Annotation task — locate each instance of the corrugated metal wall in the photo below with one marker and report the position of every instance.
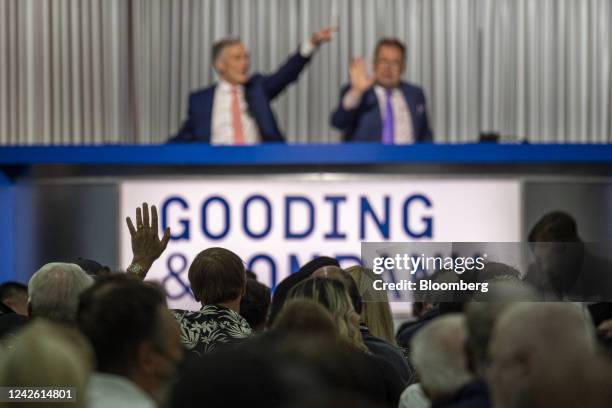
(120, 71)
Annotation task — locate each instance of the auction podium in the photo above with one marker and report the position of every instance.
(278, 205)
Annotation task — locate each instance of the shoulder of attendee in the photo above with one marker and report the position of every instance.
(107, 390)
(203, 92)
(388, 374)
(412, 88)
(377, 342)
(255, 79)
(209, 311)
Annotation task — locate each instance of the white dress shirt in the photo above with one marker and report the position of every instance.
(222, 127)
(113, 391)
(402, 119)
(414, 397)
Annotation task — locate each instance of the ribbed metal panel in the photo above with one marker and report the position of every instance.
(120, 71)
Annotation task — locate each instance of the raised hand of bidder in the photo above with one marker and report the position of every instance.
(323, 36)
(146, 245)
(361, 80)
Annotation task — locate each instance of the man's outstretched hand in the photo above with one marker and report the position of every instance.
(361, 80)
(146, 245)
(323, 36)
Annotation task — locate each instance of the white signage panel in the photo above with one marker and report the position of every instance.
(276, 224)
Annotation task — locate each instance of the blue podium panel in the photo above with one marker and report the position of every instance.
(280, 154)
(60, 202)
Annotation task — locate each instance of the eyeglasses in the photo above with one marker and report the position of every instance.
(389, 63)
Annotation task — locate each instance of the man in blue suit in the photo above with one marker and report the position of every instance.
(237, 111)
(381, 107)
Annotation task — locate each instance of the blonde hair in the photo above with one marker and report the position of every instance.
(305, 316)
(332, 294)
(375, 311)
(46, 354)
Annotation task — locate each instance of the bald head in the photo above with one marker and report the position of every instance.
(438, 354)
(536, 340)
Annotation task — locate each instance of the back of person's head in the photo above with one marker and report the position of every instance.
(217, 275)
(502, 290)
(332, 294)
(497, 271)
(335, 272)
(54, 291)
(229, 379)
(583, 384)
(480, 318)
(305, 271)
(46, 354)
(546, 328)
(535, 340)
(255, 304)
(598, 393)
(254, 373)
(376, 312)
(125, 319)
(305, 317)
(338, 368)
(438, 354)
(555, 226)
(14, 295)
(92, 268)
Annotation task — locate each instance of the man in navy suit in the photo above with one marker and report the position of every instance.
(237, 111)
(381, 107)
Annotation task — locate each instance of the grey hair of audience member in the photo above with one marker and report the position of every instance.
(438, 354)
(483, 312)
(46, 354)
(536, 347)
(54, 291)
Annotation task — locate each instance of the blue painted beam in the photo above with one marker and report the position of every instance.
(7, 228)
(280, 154)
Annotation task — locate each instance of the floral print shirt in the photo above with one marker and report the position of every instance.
(202, 331)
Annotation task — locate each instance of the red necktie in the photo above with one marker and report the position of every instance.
(237, 118)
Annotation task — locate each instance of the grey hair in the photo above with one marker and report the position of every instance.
(437, 352)
(220, 45)
(54, 291)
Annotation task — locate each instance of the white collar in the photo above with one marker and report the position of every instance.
(226, 87)
(120, 388)
(382, 90)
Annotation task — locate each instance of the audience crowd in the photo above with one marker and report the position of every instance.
(320, 340)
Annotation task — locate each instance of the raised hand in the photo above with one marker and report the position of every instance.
(361, 81)
(146, 245)
(323, 36)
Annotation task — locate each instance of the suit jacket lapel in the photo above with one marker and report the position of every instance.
(209, 100)
(370, 103)
(412, 104)
(260, 109)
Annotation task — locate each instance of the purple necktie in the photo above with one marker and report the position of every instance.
(388, 125)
